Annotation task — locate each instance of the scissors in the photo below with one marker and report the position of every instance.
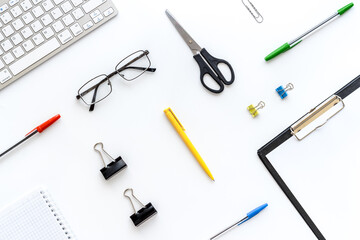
(207, 63)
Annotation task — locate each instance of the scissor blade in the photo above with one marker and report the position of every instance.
(194, 47)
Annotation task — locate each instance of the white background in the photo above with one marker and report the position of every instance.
(322, 170)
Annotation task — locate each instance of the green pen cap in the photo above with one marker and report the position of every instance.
(278, 51)
(341, 11)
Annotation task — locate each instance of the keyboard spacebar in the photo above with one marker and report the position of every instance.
(34, 56)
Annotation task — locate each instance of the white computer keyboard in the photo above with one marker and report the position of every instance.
(33, 31)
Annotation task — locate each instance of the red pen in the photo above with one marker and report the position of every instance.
(38, 129)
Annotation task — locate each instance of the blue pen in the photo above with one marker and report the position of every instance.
(250, 215)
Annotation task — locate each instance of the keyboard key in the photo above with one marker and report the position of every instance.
(4, 76)
(78, 13)
(88, 25)
(1, 52)
(8, 58)
(28, 18)
(66, 7)
(68, 19)
(28, 45)
(76, 2)
(1, 37)
(26, 32)
(56, 13)
(92, 4)
(98, 18)
(6, 18)
(48, 33)
(16, 11)
(34, 56)
(36, 1)
(2, 65)
(37, 26)
(108, 12)
(38, 11)
(94, 14)
(57, 2)
(48, 5)
(13, 2)
(58, 26)
(3, 8)
(6, 45)
(76, 29)
(65, 36)
(46, 19)
(8, 30)
(17, 24)
(38, 39)
(18, 52)
(26, 5)
(16, 39)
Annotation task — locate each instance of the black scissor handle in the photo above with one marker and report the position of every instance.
(214, 62)
(205, 69)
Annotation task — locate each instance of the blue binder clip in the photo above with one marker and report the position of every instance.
(283, 91)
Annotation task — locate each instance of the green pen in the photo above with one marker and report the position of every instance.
(298, 40)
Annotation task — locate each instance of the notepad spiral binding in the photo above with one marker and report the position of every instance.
(56, 212)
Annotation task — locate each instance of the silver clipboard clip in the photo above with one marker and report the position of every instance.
(317, 117)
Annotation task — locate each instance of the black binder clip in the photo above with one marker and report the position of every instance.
(112, 168)
(144, 213)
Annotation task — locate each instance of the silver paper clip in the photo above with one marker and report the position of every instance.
(254, 12)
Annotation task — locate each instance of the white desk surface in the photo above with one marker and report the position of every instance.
(131, 123)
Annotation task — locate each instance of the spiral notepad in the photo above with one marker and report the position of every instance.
(34, 217)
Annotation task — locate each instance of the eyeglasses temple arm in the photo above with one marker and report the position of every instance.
(92, 106)
(145, 53)
(139, 68)
(136, 68)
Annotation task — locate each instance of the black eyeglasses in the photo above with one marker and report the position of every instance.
(98, 88)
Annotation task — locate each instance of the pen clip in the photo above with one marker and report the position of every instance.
(177, 120)
(31, 132)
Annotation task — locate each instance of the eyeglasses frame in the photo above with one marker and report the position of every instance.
(108, 76)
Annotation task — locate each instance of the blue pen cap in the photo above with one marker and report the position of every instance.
(254, 212)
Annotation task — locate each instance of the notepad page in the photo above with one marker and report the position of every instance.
(34, 217)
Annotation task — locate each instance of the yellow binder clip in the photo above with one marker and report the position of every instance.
(254, 110)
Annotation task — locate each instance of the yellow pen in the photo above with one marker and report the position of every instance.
(181, 131)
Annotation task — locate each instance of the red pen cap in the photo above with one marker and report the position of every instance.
(46, 124)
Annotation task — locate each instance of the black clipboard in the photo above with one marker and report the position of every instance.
(294, 130)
